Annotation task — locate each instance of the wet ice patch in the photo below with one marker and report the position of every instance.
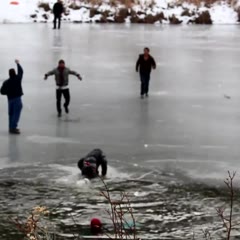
(73, 175)
(195, 169)
(165, 146)
(162, 93)
(197, 106)
(71, 119)
(160, 121)
(49, 140)
(141, 194)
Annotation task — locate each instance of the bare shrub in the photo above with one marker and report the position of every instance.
(120, 210)
(74, 6)
(34, 227)
(174, 20)
(203, 18)
(227, 220)
(45, 6)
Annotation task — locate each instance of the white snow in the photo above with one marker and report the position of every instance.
(221, 13)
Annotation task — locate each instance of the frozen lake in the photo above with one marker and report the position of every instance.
(187, 131)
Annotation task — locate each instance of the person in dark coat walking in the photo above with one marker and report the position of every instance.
(12, 88)
(91, 162)
(57, 12)
(62, 79)
(146, 63)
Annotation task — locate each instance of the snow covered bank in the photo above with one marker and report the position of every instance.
(160, 11)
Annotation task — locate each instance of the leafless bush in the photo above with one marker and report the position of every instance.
(45, 6)
(120, 210)
(201, 2)
(227, 220)
(34, 227)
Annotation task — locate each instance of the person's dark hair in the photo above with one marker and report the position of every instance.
(147, 49)
(61, 61)
(80, 163)
(12, 73)
(89, 172)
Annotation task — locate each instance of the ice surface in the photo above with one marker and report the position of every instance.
(105, 109)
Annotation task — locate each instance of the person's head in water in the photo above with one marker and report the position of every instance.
(96, 226)
(12, 73)
(89, 172)
(146, 51)
(61, 64)
(89, 169)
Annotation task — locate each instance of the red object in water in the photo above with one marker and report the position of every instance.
(96, 225)
(14, 3)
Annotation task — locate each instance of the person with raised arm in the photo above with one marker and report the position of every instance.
(12, 88)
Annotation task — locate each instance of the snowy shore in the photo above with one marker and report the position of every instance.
(158, 12)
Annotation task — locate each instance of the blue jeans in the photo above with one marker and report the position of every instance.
(14, 111)
(145, 78)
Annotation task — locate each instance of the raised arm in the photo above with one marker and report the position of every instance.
(19, 70)
(75, 74)
(138, 63)
(52, 72)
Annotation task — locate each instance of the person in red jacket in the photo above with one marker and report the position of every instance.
(145, 64)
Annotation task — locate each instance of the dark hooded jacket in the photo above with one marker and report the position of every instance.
(58, 9)
(95, 157)
(145, 65)
(13, 86)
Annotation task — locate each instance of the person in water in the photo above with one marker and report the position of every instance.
(90, 164)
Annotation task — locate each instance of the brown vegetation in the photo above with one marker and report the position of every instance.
(186, 13)
(74, 6)
(200, 2)
(93, 12)
(174, 20)
(238, 12)
(203, 18)
(45, 6)
(45, 16)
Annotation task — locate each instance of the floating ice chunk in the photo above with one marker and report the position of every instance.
(150, 211)
(140, 194)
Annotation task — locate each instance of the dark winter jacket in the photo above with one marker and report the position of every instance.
(13, 86)
(58, 9)
(96, 157)
(145, 65)
(66, 73)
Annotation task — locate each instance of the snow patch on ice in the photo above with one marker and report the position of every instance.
(50, 140)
